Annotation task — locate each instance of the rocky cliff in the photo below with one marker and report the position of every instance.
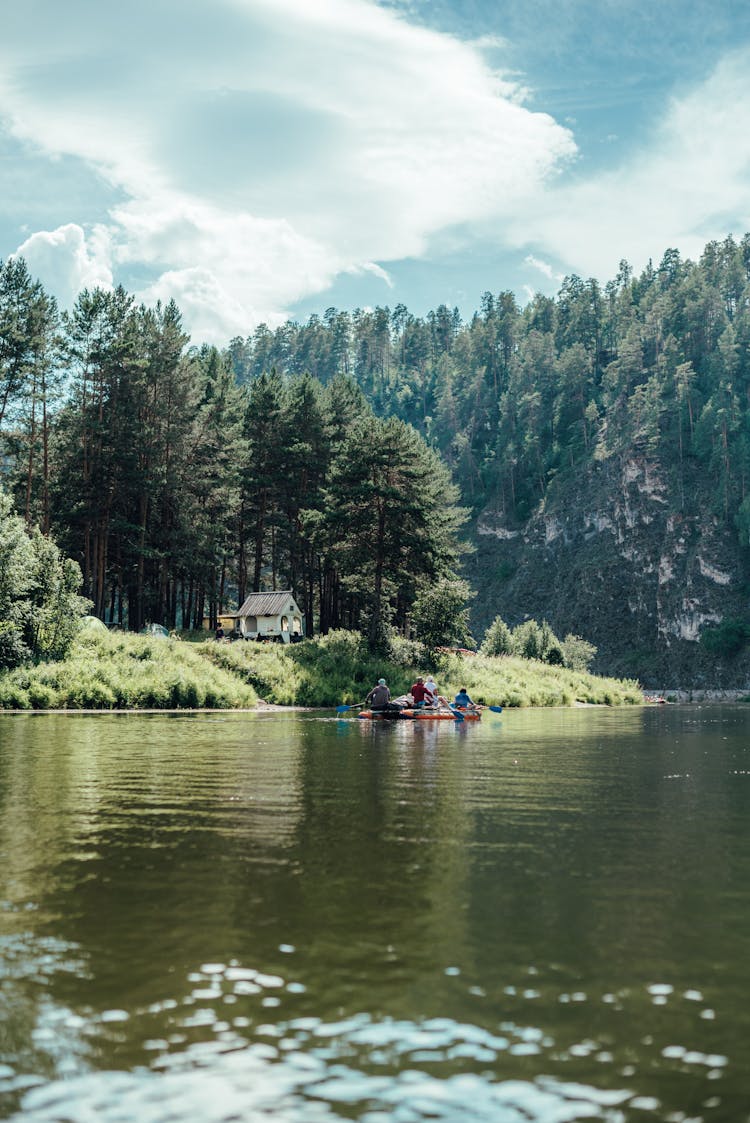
(626, 556)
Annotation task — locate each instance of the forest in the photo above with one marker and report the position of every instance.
(658, 363)
(346, 456)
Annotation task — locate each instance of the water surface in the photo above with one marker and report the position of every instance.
(542, 917)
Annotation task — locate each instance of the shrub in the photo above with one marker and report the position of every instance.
(13, 696)
(103, 671)
(578, 653)
(13, 650)
(498, 639)
(527, 640)
(727, 638)
(40, 608)
(441, 615)
(42, 697)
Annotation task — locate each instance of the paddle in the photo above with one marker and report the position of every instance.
(444, 705)
(343, 709)
(496, 709)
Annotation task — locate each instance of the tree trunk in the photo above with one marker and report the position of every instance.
(259, 534)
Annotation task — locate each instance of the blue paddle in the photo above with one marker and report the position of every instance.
(343, 709)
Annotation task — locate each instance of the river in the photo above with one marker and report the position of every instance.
(541, 917)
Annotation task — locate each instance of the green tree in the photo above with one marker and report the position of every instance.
(578, 654)
(55, 608)
(261, 474)
(441, 616)
(498, 639)
(549, 645)
(304, 441)
(40, 608)
(97, 439)
(527, 640)
(728, 637)
(215, 465)
(389, 521)
(26, 314)
(16, 563)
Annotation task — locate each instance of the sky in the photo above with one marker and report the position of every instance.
(260, 160)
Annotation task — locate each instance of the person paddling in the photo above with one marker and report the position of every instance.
(379, 696)
(462, 701)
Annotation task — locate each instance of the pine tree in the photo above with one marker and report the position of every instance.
(389, 520)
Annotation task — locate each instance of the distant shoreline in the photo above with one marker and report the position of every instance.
(697, 695)
(265, 707)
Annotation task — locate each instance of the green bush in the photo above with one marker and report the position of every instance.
(527, 640)
(578, 653)
(441, 616)
(727, 638)
(12, 695)
(498, 639)
(42, 697)
(106, 671)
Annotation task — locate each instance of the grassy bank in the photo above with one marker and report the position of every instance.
(337, 668)
(122, 671)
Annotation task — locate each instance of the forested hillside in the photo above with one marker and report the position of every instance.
(600, 442)
(601, 438)
(179, 491)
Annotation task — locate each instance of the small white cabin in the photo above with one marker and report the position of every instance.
(274, 616)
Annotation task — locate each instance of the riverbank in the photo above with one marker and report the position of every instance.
(679, 695)
(120, 671)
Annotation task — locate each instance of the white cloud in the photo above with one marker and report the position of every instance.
(688, 183)
(67, 261)
(543, 267)
(491, 42)
(266, 146)
(372, 268)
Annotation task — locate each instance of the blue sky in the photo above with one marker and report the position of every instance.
(260, 159)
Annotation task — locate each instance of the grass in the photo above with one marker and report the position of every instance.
(338, 669)
(123, 671)
(508, 680)
(106, 671)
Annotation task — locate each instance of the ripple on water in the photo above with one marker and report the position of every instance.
(254, 1084)
(374, 1069)
(231, 1048)
(241, 1068)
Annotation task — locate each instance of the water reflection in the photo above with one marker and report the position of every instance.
(232, 917)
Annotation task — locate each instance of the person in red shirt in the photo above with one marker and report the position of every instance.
(420, 693)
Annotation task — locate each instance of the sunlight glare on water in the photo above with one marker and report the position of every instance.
(542, 917)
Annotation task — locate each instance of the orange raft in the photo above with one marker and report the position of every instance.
(419, 715)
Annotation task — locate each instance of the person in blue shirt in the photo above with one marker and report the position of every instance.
(462, 701)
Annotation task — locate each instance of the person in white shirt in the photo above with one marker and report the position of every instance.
(431, 686)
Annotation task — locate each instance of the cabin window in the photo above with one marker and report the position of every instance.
(285, 623)
(252, 624)
(297, 626)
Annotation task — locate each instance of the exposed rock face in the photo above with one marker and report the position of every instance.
(625, 558)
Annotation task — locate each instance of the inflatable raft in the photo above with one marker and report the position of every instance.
(419, 715)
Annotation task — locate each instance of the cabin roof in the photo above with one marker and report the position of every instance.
(267, 604)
